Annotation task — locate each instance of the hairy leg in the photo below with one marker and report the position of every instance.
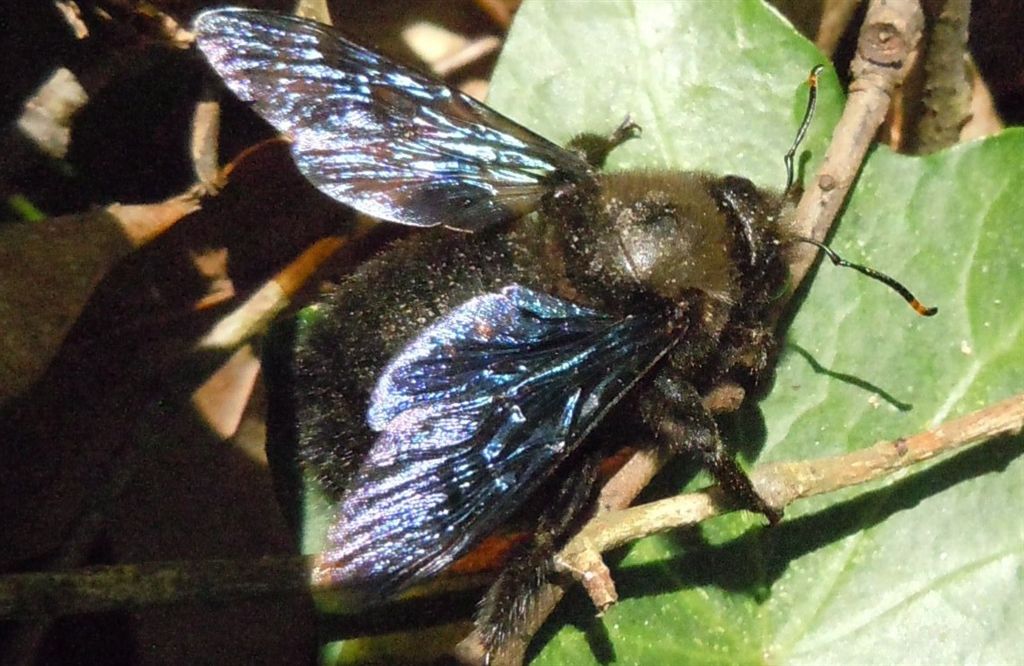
(680, 422)
(510, 597)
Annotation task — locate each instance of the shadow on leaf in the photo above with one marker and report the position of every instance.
(850, 379)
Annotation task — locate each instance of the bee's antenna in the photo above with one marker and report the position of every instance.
(875, 275)
(812, 101)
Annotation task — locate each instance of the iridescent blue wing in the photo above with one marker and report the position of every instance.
(378, 136)
(474, 414)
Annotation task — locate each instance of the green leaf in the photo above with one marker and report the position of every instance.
(925, 567)
(715, 86)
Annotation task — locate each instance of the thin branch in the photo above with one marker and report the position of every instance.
(890, 33)
(257, 312)
(120, 587)
(783, 483)
(946, 97)
(473, 51)
(835, 19)
(204, 142)
(135, 586)
(72, 15)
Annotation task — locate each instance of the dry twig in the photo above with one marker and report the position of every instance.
(783, 483)
(890, 33)
(835, 19)
(946, 97)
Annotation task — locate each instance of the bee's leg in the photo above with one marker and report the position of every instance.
(749, 351)
(595, 148)
(680, 422)
(509, 599)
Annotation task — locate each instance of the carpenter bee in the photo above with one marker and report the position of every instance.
(458, 381)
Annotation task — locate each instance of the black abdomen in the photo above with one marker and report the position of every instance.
(343, 342)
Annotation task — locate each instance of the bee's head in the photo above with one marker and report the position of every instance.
(757, 220)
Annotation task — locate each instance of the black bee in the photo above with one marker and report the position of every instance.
(459, 380)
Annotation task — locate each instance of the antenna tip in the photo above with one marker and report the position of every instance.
(920, 309)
